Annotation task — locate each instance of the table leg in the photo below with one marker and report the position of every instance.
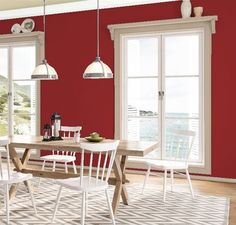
(15, 159)
(124, 193)
(120, 190)
(19, 165)
(25, 158)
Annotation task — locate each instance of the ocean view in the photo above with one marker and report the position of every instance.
(146, 129)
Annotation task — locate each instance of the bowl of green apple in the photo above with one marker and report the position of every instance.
(94, 137)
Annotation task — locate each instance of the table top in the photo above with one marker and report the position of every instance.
(128, 148)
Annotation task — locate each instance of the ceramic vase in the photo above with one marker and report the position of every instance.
(198, 11)
(186, 8)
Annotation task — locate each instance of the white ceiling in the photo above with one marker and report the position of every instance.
(19, 4)
(11, 9)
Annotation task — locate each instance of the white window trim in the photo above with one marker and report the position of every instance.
(118, 31)
(38, 40)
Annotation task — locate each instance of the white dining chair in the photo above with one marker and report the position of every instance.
(177, 151)
(8, 177)
(63, 156)
(100, 157)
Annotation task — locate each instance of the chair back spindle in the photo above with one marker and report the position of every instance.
(68, 131)
(179, 145)
(101, 158)
(5, 174)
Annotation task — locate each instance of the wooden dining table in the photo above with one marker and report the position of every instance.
(29, 143)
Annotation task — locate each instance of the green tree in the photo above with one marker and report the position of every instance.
(3, 102)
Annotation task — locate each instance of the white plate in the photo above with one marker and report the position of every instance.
(16, 28)
(27, 25)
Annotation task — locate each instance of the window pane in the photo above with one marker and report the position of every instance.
(3, 95)
(181, 54)
(182, 97)
(143, 97)
(23, 62)
(182, 124)
(3, 63)
(24, 97)
(143, 129)
(156, 154)
(142, 56)
(3, 125)
(3, 80)
(24, 124)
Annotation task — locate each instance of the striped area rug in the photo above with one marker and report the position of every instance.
(146, 209)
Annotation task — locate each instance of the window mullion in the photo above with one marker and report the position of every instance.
(10, 93)
(162, 99)
(201, 98)
(124, 132)
(140, 77)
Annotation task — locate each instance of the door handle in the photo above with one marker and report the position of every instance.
(161, 94)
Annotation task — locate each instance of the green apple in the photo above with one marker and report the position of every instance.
(94, 135)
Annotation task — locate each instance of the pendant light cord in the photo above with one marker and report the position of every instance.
(98, 33)
(44, 27)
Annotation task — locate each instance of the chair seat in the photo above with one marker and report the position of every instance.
(15, 177)
(167, 164)
(59, 158)
(74, 184)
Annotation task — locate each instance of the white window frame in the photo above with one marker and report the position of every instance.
(119, 31)
(25, 39)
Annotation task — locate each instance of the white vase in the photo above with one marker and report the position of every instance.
(198, 11)
(186, 8)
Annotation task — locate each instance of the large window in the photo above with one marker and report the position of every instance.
(163, 86)
(163, 83)
(19, 95)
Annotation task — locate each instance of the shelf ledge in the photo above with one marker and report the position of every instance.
(207, 19)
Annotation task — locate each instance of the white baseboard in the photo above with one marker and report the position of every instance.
(131, 171)
(194, 177)
(215, 179)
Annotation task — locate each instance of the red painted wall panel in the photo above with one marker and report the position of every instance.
(71, 46)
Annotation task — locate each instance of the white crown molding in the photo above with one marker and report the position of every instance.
(73, 7)
(22, 37)
(210, 19)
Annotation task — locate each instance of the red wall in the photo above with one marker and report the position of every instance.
(71, 46)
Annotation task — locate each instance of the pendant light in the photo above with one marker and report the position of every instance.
(44, 71)
(97, 69)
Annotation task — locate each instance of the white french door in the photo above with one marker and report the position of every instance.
(142, 83)
(162, 80)
(182, 85)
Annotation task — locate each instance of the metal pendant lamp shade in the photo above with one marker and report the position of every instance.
(44, 71)
(97, 69)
